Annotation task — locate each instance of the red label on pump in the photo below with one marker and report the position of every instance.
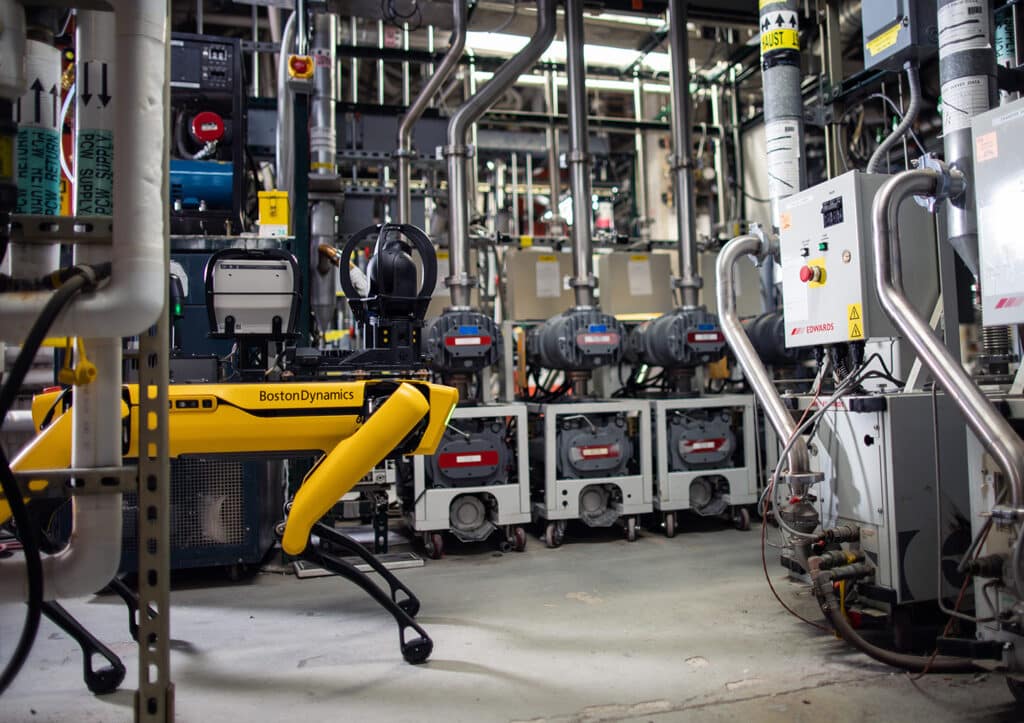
(598, 451)
(598, 339)
(702, 446)
(456, 460)
(704, 337)
(467, 341)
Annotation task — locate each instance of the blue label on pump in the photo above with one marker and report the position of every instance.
(705, 327)
(597, 328)
(469, 329)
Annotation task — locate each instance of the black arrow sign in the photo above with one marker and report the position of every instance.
(792, 20)
(779, 21)
(86, 95)
(56, 96)
(103, 96)
(37, 88)
(765, 25)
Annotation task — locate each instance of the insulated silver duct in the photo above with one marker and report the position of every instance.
(583, 281)
(457, 153)
(783, 101)
(967, 68)
(689, 281)
(450, 62)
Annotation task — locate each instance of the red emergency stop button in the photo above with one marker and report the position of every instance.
(300, 66)
(809, 274)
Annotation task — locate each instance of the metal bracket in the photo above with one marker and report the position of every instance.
(38, 229)
(59, 483)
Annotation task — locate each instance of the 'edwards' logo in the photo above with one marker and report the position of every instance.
(307, 396)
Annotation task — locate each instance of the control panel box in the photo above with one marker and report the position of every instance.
(999, 190)
(897, 31)
(828, 285)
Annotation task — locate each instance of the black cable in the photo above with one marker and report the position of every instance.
(750, 197)
(29, 537)
(27, 532)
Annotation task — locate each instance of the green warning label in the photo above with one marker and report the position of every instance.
(38, 168)
(95, 173)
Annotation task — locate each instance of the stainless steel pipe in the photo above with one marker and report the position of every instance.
(689, 281)
(460, 282)
(991, 428)
(583, 281)
(757, 376)
(449, 63)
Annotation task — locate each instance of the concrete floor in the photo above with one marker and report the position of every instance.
(659, 630)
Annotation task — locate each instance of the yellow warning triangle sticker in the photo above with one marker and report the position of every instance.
(855, 331)
(853, 312)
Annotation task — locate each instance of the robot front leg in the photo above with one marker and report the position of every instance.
(414, 649)
(102, 681)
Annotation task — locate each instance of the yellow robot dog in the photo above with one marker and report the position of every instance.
(353, 425)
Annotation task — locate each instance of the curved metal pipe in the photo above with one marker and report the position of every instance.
(757, 375)
(449, 63)
(992, 430)
(460, 281)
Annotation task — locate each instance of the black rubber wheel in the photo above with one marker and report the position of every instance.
(631, 528)
(553, 535)
(742, 519)
(411, 606)
(417, 650)
(670, 524)
(434, 543)
(105, 680)
(519, 539)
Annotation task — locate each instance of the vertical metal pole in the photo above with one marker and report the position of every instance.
(689, 281)
(380, 63)
(406, 90)
(554, 168)
(301, 28)
(514, 168)
(199, 17)
(640, 165)
(832, 62)
(583, 280)
(430, 48)
(255, 52)
(737, 139)
(721, 175)
(529, 194)
(354, 32)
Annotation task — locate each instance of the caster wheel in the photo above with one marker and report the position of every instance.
(105, 680)
(410, 605)
(553, 535)
(519, 539)
(670, 524)
(742, 519)
(417, 650)
(434, 544)
(631, 529)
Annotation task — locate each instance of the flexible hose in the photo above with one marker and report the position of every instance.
(882, 152)
(910, 663)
